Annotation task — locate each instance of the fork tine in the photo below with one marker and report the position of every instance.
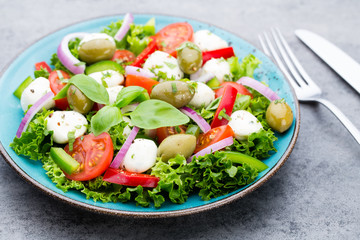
(263, 45)
(285, 56)
(270, 51)
(294, 60)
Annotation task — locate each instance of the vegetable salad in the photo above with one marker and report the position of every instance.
(134, 113)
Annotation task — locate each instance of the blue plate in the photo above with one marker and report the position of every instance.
(11, 115)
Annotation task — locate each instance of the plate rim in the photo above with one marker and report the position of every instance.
(160, 214)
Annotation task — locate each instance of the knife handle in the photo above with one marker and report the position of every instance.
(343, 119)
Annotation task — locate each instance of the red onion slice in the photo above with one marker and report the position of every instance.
(32, 111)
(213, 148)
(204, 78)
(196, 75)
(125, 26)
(125, 147)
(131, 70)
(65, 56)
(258, 86)
(204, 126)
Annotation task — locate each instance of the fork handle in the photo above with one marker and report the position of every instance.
(343, 119)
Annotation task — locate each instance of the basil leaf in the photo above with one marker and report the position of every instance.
(62, 93)
(88, 86)
(129, 94)
(91, 88)
(104, 119)
(154, 113)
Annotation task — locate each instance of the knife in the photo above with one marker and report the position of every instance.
(337, 59)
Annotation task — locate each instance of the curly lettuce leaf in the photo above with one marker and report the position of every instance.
(258, 145)
(245, 68)
(175, 180)
(41, 73)
(215, 175)
(136, 39)
(36, 141)
(116, 134)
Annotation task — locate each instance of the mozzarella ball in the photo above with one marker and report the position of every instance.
(203, 96)
(63, 122)
(243, 123)
(108, 78)
(217, 66)
(163, 62)
(93, 36)
(113, 92)
(208, 41)
(32, 93)
(127, 129)
(141, 156)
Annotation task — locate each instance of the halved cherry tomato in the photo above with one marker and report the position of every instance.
(225, 53)
(226, 104)
(214, 135)
(140, 59)
(123, 57)
(42, 65)
(147, 83)
(126, 178)
(164, 132)
(56, 84)
(94, 155)
(172, 36)
(240, 89)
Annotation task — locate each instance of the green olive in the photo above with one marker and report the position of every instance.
(279, 116)
(78, 101)
(189, 57)
(183, 144)
(96, 50)
(177, 93)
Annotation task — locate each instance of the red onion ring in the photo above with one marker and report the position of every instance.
(65, 56)
(259, 87)
(125, 147)
(125, 26)
(213, 148)
(204, 78)
(32, 111)
(131, 70)
(204, 126)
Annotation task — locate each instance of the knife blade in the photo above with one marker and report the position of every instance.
(337, 59)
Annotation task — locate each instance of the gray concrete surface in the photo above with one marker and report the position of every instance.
(315, 195)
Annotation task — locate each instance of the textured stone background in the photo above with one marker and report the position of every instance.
(315, 195)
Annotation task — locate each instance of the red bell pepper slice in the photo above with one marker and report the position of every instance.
(122, 177)
(42, 65)
(227, 102)
(140, 59)
(225, 53)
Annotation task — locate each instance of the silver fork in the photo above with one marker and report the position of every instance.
(305, 88)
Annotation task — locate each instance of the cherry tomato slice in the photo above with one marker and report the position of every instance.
(214, 135)
(56, 84)
(94, 155)
(164, 132)
(123, 57)
(126, 178)
(147, 83)
(240, 89)
(226, 104)
(140, 59)
(172, 36)
(42, 65)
